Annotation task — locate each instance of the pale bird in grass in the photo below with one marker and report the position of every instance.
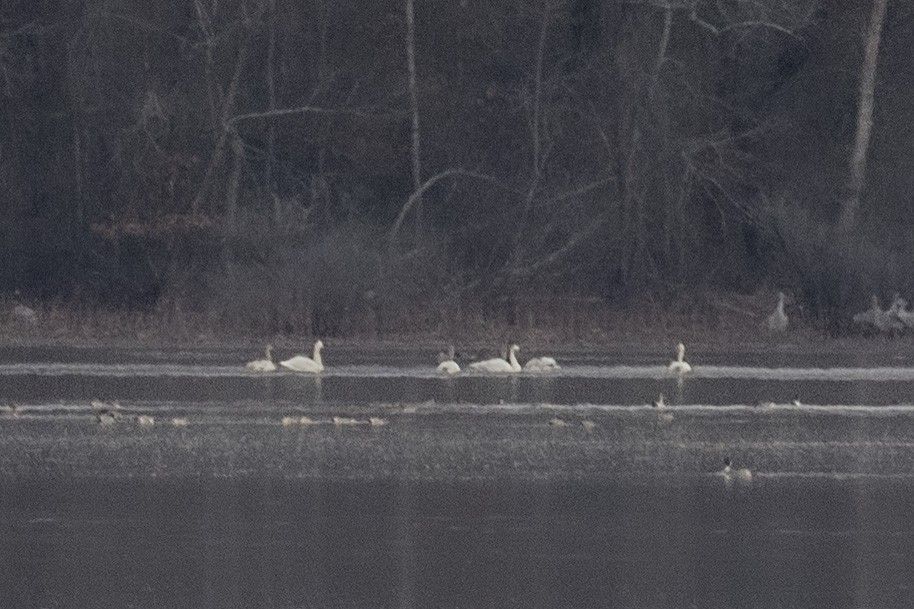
(868, 317)
(901, 312)
(777, 321)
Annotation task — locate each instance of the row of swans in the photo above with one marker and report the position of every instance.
(447, 364)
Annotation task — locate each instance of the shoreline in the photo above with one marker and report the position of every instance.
(647, 328)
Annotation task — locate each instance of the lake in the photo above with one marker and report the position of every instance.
(559, 490)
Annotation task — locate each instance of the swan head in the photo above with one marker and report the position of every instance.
(514, 348)
(680, 350)
(318, 345)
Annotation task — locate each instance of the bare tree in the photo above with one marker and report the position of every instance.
(414, 111)
(851, 203)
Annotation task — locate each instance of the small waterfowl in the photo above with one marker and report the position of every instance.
(300, 363)
(741, 476)
(106, 418)
(144, 420)
(290, 421)
(345, 421)
(541, 364)
(498, 364)
(100, 405)
(263, 365)
(13, 410)
(446, 363)
(777, 321)
(679, 365)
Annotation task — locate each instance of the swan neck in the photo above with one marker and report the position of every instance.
(317, 356)
(512, 359)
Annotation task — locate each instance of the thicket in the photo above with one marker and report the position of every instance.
(272, 163)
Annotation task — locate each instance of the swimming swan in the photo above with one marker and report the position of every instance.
(498, 364)
(679, 365)
(446, 362)
(741, 476)
(263, 365)
(300, 363)
(777, 321)
(541, 364)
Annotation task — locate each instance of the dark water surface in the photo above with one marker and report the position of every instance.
(388, 543)
(558, 491)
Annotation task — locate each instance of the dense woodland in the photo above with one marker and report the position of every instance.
(299, 165)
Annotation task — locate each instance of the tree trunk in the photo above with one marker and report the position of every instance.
(414, 108)
(271, 100)
(851, 202)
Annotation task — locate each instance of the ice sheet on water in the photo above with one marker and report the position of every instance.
(376, 371)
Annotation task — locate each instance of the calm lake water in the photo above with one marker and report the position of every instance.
(560, 491)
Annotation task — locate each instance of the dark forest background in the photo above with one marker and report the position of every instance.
(273, 164)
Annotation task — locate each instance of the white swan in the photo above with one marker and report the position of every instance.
(263, 365)
(679, 365)
(449, 367)
(541, 364)
(741, 476)
(300, 363)
(777, 321)
(498, 364)
(446, 363)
